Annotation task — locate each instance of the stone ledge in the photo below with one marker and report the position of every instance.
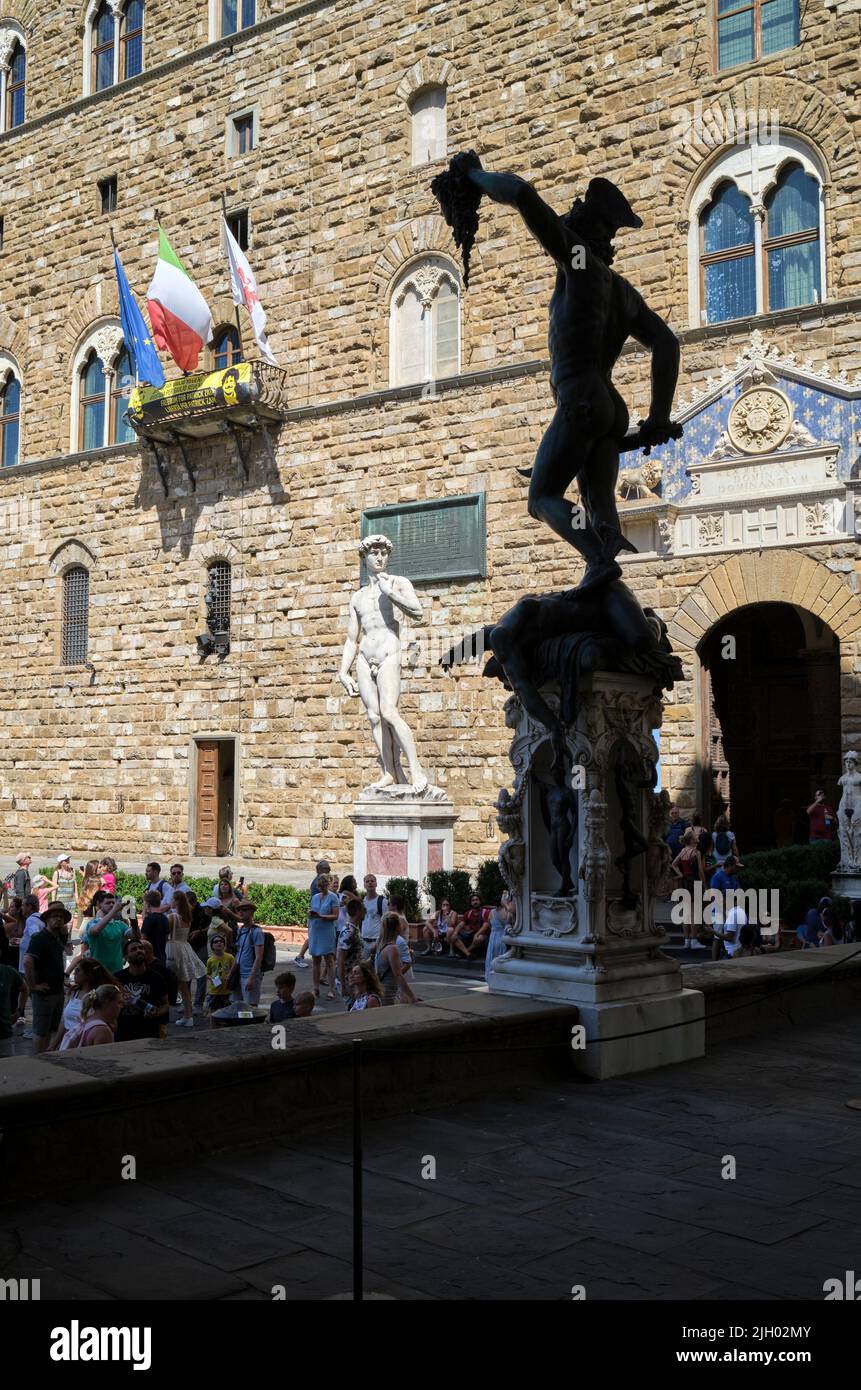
(819, 982)
(156, 1100)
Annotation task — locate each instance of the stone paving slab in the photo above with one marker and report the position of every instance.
(726, 1211)
(609, 1271)
(615, 1186)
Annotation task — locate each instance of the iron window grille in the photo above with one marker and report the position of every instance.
(76, 616)
(218, 599)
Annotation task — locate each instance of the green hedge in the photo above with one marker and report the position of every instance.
(489, 883)
(408, 889)
(278, 905)
(800, 874)
(453, 884)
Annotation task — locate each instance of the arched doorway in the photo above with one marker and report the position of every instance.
(770, 720)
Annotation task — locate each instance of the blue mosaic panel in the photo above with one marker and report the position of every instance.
(829, 417)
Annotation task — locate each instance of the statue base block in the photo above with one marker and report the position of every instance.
(631, 1002)
(596, 830)
(846, 884)
(402, 836)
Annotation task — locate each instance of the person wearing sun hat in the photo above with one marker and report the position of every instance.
(44, 971)
(249, 956)
(64, 885)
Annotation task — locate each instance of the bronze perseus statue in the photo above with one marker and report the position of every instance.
(593, 311)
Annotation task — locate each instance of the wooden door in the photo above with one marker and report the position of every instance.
(206, 832)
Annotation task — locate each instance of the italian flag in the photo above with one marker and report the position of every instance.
(180, 318)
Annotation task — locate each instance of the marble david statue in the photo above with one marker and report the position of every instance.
(373, 642)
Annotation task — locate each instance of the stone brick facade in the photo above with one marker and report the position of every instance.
(555, 91)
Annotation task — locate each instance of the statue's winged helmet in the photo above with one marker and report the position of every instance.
(606, 204)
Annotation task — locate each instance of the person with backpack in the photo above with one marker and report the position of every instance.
(154, 881)
(246, 978)
(376, 907)
(17, 885)
(724, 845)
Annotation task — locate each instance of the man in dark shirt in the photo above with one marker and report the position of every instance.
(675, 830)
(44, 970)
(146, 995)
(155, 927)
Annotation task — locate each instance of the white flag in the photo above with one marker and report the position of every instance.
(244, 290)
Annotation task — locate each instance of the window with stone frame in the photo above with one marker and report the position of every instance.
(236, 15)
(425, 323)
(10, 418)
(428, 125)
(76, 616)
(102, 397)
(746, 30)
(15, 94)
(756, 232)
(226, 348)
(131, 57)
(241, 133)
(102, 44)
(218, 585)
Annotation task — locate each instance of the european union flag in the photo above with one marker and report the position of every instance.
(137, 336)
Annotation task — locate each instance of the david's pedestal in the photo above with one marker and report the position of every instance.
(597, 947)
(397, 834)
(846, 882)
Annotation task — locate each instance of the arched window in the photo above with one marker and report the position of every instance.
(13, 75)
(425, 323)
(122, 382)
(102, 382)
(76, 615)
(755, 239)
(93, 388)
(727, 257)
(16, 85)
(226, 350)
(792, 240)
(428, 125)
(10, 419)
(131, 39)
(237, 14)
(751, 29)
(103, 38)
(218, 598)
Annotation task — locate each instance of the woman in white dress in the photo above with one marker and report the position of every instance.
(182, 959)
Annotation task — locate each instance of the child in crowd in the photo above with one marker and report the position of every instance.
(303, 1004)
(218, 968)
(283, 1007)
(42, 889)
(108, 875)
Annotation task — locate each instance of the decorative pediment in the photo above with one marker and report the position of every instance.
(761, 362)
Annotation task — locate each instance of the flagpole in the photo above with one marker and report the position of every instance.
(133, 354)
(236, 306)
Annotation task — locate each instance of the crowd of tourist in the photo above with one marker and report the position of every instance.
(712, 858)
(94, 969)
